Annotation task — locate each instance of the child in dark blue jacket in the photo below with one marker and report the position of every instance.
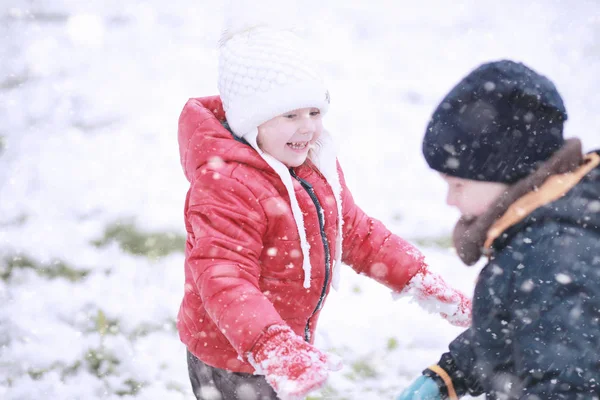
(530, 201)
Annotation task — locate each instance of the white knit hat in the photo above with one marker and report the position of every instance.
(264, 72)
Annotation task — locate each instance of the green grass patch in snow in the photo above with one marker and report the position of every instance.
(443, 241)
(153, 245)
(361, 369)
(392, 344)
(52, 269)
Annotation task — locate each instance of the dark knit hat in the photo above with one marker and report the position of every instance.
(496, 125)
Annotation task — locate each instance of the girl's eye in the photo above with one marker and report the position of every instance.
(313, 113)
(289, 116)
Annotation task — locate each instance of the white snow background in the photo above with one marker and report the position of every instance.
(91, 189)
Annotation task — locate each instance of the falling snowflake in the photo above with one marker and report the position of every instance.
(563, 279)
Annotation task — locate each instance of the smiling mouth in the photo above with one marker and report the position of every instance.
(298, 145)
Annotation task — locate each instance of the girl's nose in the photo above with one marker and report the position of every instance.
(307, 126)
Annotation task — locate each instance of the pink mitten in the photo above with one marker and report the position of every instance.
(434, 295)
(291, 366)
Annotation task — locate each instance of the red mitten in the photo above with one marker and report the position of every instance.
(433, 294)
(291, 366)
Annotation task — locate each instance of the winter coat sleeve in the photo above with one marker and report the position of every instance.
(555, 314)
(371, 249)
(480, 353)
(228, 224)
(450, 378)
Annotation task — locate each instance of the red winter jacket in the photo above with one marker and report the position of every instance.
(243, 260)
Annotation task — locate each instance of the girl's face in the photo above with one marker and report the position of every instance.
(472, 198)
(290, 136)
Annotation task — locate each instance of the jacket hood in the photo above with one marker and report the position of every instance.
(580, 206)
(203, 139)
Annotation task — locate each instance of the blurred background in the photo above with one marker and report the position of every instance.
(92, 192)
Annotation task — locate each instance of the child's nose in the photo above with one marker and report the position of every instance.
(307, 126)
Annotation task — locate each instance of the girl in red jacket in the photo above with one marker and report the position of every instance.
(269, 221)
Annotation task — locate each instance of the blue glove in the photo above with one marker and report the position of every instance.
(423, 388)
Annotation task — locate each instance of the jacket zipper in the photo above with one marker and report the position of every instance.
(320, 214)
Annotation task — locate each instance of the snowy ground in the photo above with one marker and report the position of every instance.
(91, 189)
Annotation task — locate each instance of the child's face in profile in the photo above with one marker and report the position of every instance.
(472, 198)
(290, 136)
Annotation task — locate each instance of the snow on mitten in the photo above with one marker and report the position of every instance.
(433, 294)
(290, 365)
